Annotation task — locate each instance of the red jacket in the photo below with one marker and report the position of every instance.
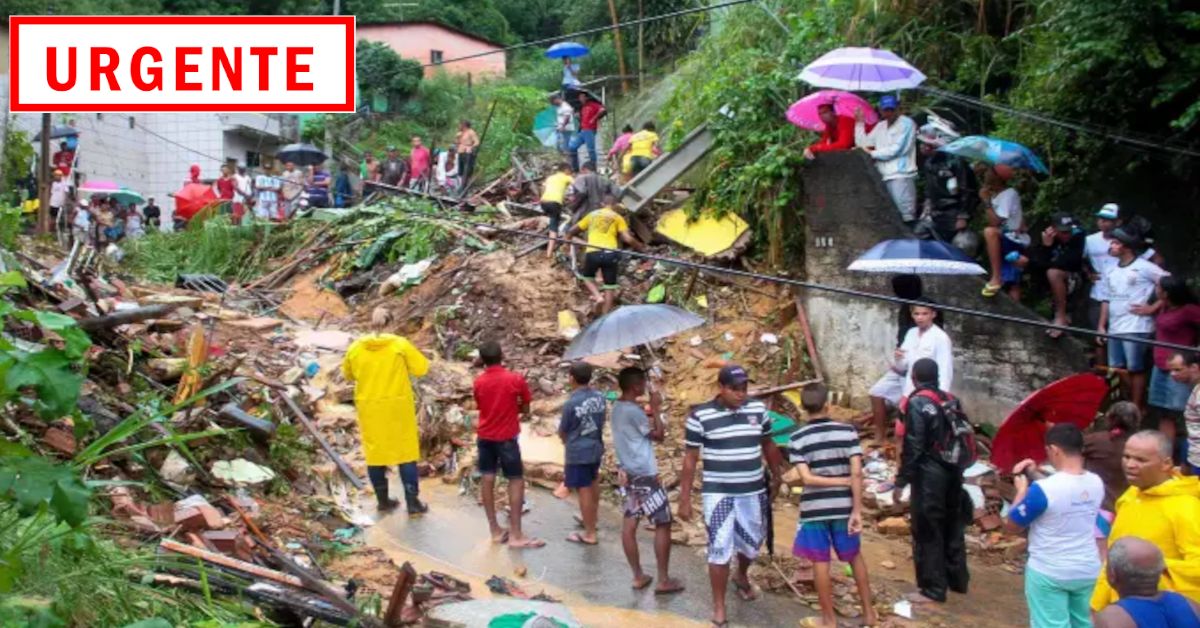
(589, 117)
(836, 138)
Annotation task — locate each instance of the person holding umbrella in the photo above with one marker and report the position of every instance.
(893, 146)
(732, 435)
(570, 78)
(838, 134)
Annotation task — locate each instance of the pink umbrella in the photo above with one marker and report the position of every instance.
(99, 186)
(803, 113)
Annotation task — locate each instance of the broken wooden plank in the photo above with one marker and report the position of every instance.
(404, 584)
(125, 317)
(316, 434)
(764, 392)
(809, 344)
(230, 562)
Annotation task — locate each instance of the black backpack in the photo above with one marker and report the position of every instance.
(956, 445)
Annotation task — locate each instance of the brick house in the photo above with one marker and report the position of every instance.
(431, 42)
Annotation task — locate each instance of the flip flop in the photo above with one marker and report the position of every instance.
(576, 537)
(747, 592)
(990, 290)
(503, 538)
(529, 543)
(643, 584)
(669, 587)
(719, 624)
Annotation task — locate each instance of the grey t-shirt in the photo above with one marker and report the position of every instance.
(631, 438)
(583, 423)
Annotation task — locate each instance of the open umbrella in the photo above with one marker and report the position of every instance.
(629, 326)
(996, 152)
(58, 131)
(301, 154)
(803, 112)
(862, 70)
(1075, 399)
(545, 125)
(191, 198)
(565, 49)
(916, 257)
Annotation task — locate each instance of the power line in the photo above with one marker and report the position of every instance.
(798, 283)
(592, 31)
(1066, 124)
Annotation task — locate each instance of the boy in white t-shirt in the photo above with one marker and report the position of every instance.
(1062, 514)
(1005, 235)
(925, 340)
(1129, 283)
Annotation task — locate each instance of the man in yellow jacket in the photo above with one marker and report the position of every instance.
(1162, 508)
(380, 366)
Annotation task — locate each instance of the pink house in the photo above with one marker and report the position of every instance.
(430, 42)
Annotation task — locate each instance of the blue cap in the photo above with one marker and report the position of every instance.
(888, 101)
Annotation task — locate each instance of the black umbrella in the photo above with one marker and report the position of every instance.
(58, 131)
(629, 326)
(301, 154)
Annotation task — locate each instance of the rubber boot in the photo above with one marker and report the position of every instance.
(415, 505)
(383, 503)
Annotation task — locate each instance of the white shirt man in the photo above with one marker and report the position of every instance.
(926, 340)
(1126, 286)
(893, 145)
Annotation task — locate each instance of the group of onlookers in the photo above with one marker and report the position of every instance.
(424, 170)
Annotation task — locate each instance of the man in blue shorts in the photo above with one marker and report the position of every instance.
(582, 431)
(828, 458)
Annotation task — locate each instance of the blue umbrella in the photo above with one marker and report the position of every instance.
(916, 257)
(996, 152)
(566, 49)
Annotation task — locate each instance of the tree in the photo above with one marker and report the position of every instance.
(382, 72)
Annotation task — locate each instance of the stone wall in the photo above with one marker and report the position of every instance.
(996, 364)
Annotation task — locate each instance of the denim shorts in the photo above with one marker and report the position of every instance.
(580, 475)
(1166, 393)
(1132, 356)
(504, 455)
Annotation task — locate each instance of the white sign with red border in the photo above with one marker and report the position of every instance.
(181, 63)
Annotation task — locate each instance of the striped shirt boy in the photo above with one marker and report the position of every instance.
(730, 443)
(826, 447)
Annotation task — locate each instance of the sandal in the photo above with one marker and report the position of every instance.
(576, 537)
(747, 592)
(668, 587)
(990, 290)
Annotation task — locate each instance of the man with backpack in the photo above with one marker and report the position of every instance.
(938, 445)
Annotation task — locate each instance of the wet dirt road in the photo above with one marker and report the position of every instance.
(592, 581)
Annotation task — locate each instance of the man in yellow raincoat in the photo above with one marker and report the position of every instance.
(1162, 508)
(380, 366)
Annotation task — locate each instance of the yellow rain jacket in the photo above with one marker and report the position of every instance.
(1168, 516)
(380, 365)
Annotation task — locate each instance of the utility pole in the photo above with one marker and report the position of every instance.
(43, 223)
(612, 10)
(641, 46)
(337, 10)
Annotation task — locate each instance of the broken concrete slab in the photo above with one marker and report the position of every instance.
(241, 472)
(328, 339)
(176, 469)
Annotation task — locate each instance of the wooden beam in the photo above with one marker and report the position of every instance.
(230, 562)
(316, 434)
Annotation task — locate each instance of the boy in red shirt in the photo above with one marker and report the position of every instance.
(502, 397)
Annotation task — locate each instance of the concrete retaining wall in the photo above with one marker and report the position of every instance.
(848, 210)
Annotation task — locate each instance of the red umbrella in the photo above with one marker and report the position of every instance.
(191, 198)
(1074, 399)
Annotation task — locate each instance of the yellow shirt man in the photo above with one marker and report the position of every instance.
(603, 227)
(554, 190)
(642, 144)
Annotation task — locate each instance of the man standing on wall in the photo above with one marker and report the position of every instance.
(590, 112)
(893, 146)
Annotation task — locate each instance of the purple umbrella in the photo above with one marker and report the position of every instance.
(862, 69)
(803, 112)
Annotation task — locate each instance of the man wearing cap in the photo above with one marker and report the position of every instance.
(893, 146)
(60, 192)
(732, 435)
(1061, 256)
(1129, 283)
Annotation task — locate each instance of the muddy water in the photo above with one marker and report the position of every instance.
(592, 581)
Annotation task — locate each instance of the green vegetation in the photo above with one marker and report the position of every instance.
(375, 59)
(215, 247)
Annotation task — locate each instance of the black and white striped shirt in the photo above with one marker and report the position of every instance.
(730, 443)
(826, 447)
